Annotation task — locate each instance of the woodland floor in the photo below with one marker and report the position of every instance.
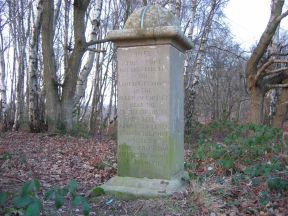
(55, 159)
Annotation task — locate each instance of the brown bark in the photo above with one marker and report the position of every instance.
(281, 109)
(50, 81)
(74, 63)
(257, 103)
(254, 70)
(61, 110)
(83, 75)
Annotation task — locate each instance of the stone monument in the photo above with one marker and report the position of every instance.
(150, 151)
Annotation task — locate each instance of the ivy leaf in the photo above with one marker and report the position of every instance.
(277, 184)
(78, 200)
(86, 208)
(227, 163)
(34, 208)
(3, 197)
(50, 194)
(59, 200)
(30, 187)
(72, 186)
(22, 201)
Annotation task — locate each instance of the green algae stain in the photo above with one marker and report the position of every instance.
(125, 158)
(174, 157)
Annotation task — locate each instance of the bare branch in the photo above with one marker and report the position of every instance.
(90, 43)
(267, 64)
(277, 85)
(228, 51)
(277, 70)
(96, 50)
(284, 15)
(263, 68)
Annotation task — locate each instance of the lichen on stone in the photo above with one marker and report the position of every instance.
(154, 16)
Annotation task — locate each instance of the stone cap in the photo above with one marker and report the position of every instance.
(151, 25)
(151, 36)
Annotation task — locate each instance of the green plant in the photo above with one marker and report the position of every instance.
(260, 169)
(277, 184)
(80, 130)
(3, 197)
(27, 201)
(58, 196)
(264, 198)
(5, 156)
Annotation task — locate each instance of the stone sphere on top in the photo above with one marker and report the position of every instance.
(151, 16)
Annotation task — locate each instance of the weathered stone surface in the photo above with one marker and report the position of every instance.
(150, 110)
(151, 16)
(150, 106)
(151, 36)
(131, 188)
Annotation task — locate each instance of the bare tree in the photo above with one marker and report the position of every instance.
(22, 33)
(33, 83)
(195, 58)
(3, 98)
(260, 75)
(82, 79)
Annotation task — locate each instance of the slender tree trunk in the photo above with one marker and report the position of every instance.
(50, 80)
(21, 43)
(66, 33)
(281, 109)
(19, 92)
(273, 105)
(34, 90)
(3, 98)
(193, 78)
(82, 79)
(175, 7)
(94, 114)
(109, 111)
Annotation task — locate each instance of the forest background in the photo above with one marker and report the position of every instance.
(59, 73)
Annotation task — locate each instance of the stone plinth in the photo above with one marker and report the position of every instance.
(150, 151)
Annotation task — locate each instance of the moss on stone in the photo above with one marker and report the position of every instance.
(125, 157)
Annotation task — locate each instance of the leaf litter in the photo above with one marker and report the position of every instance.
(54, 160)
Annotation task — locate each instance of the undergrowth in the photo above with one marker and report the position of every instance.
(241, 155)
(28, 200)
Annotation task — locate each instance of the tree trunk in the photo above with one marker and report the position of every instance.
(82, 79)
(34, 90)
(95, 99)
(253, 67)
(74, 63)
(281, 109)
(22, 39)
(257, 105)
(3, 99)
(19, 92)
(52, 114)
(193, 78)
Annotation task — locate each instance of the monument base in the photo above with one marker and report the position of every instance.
(132, 188)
